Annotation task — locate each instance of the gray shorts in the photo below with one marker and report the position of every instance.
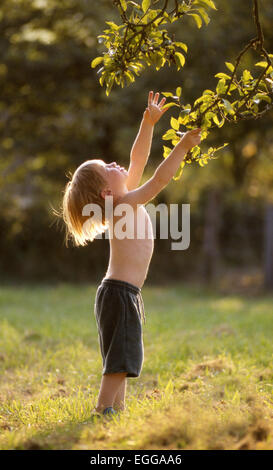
(118, 311)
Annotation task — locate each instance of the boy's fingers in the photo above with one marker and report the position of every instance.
(150, 97)
(162, 102)
(156, 98)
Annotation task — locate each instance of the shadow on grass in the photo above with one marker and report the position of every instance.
(60, 437)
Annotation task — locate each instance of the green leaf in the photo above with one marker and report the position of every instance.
(195, 152)
(204, 98)
(169, 105)
(261, 96)
(175, 140)
(262, 64)
(109, 83)
(167, 151)
(178, 91)
(217, 122)
(208, 92)
(228, 106)
(209, 3)
(123, 4)
(247, 76)
(179, 172)
(101, 80)
(230, 66)
(157, 60)
(182, 45)
(174, 124)
(187, 108)
(197, 19)
(270, 81)
(222, 75)
(96, 62)
(204, 15)
(184, 119)
(222, 146)
(215, 119)
(112, 25)
(166, 16)
(129, 77)
(169, 135)
(221, 87)
(179, 59)
(207, 118)
(145, 5)
(134, 4)
(167, 94)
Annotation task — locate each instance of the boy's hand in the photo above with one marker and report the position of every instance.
(154, 110)
(191, 138)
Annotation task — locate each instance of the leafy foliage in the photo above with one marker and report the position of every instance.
(141, 41)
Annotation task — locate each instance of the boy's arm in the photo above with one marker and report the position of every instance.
(142, 144)
(164, 173)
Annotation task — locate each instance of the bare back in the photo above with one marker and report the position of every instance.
(130, 255)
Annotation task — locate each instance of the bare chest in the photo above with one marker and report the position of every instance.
(131, 224)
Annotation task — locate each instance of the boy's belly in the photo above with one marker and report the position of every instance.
(130, 257)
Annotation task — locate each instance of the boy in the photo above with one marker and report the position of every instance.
(119, 304)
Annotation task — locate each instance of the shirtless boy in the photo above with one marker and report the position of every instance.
(119, 304)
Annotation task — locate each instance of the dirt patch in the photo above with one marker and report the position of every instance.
(61, 381)
(260, 432)
(155, 394)
(5, 427)
(265, 374)
(256, 433)
(169, 434)
(32, 445)
(213, 366)
(195, 387)
(223, 330)
(59, 393)
(216, 365)
(32, 336)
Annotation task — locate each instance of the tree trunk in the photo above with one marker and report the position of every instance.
(211, 251)
(268, 247)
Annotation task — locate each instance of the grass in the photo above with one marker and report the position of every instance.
(206, 382)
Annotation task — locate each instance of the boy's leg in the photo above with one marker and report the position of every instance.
(110, 384)
(119, 401)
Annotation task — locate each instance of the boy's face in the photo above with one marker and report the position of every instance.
(115, 175)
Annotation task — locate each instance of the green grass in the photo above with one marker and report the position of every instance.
(206, 382)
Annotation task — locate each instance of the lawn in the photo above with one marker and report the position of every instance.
(206, 382)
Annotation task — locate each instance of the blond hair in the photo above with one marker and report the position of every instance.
(84, 188)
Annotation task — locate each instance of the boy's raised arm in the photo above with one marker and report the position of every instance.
(142, 144)
(165, 171)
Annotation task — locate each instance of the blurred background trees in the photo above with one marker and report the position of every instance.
(54, 115)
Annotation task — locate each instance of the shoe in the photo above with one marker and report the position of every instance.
(109, 411)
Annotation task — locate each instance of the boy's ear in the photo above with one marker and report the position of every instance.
(106, 192)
